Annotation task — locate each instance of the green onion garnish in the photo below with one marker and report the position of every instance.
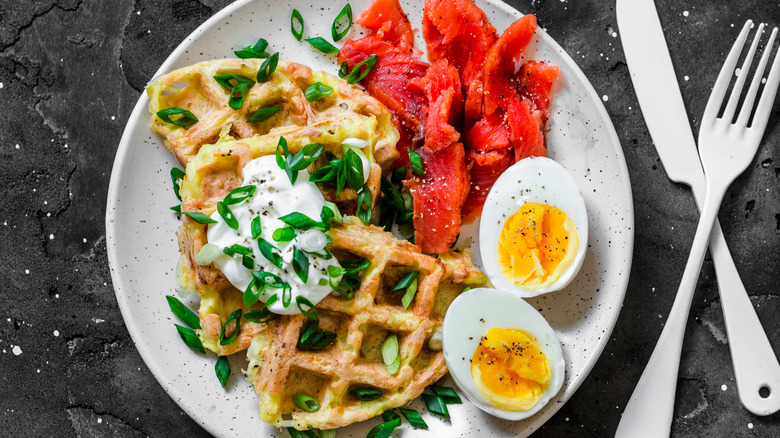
(286, 295)
(343, 69)
(416, 162)
(227, 215)
(390, 354)
(235, 316)
(411, 290)
(302, 301)
(183, 312)
(199, 217)
(347, 11)
(252, 293)
(269, 279)
(256, 51)
(301, 222)
(263, 315)
(186, 119)
(268, 68)
(300, 264)
(222, 368)
(228, 251)
(466, 289)
(385, 429)
(283, 234)
(399, 174)
(296, 16)
(322, 45)
(305, 402)
(295, 433)
(237, 248)
(317, 91)
(390, 416)
(248, 262)
(270, 252)
(177, 208)
(364, 205)
(447, 394)
(305, 157)
(207, 254)
(256, 226)
(281, 148)
(353, 169)
(362, 69)
(190, 338)
(239, 194)
(176, 175)
(365, 394)
(311, 339)
(406, 280)
(436, 405)
(414, 418)
(238, 85)
(263, 114)
(330, 212)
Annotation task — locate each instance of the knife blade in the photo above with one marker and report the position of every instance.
(652, 73)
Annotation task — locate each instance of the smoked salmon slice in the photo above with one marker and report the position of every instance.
(389, 23)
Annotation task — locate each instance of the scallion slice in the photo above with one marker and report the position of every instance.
(334, 32)
(238, 86)
(447, 394)
(322, 45)
(317, 91)
(199, 217)
(256, 227)
(176, 175)
(222, 369)
(390, 354)
(256, 51)
(286, 295)
(268, 68)
(300, 264)
(330, 212)
(362, 69)
(343, 69)
(177, 208)
(436, 405)
(385, 429)
(270, 252)
(411, 290)
(207, 254)
(186, 119)
(227, 215)
(252, 293)
(399, 174)
(248, 261)
(235, 316)
(183, 312)
(296, 16)
(306, 403)
(414, 418)
(263, 315)
(190, 338)
(300, 221)
(263, 114)
(406, 280)
(365, 394)
(311, 313)
(416, 162)
(270, 280)
(353, 169)
(239, 194)
(364, 205)
(307, 155)
(283, 234)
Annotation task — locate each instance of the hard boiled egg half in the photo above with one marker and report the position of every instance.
(502, 353)
(534, 229)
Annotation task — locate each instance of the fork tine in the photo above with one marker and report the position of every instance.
(750, 97)
(724, 77)
(764, 107)
(736, 91)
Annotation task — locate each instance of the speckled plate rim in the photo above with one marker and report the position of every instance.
(120, 283)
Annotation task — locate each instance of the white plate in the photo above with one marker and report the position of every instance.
(142, 249)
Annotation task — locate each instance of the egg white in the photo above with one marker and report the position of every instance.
(534, 179)
(470, 317)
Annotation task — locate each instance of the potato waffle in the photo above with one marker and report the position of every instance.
(194, 88)
(278, 369)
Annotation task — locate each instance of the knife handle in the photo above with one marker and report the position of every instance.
(756, 369)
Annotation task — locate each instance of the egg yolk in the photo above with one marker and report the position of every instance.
(510, 370)
(536, 245)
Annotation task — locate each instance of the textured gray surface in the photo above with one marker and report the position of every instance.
(70, 72)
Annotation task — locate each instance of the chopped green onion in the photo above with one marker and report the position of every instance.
(365, 394)
(466, 289)
(283, 234)
(436, 405)
(385, 429)
(186, 119)
(301, 221)
(399, 174)
(330, 211)
(406, 280)
(411, 290)
(257, 227)
(301, 301)
(353, 169)
(252, 293)
(239, 194)
(281, 147)
(237, 248)
(207, 254)
(263, 315)
(305, 402)
(286, 295)
(241, 86)
(330, 433)
(268, 68)
(199, 217)
(270, 252)
(227, 215)
(343, 69)
(447, 394)
(416, 162)
(248, 262)
(275, 282)
(295, 433)
(183, 312)
(347, 11)
(176, 175)
(263, 114)
(222, 368)
(390, 354)
(296, 16)
(190, 338)
(364, 205)
(256, 51)
(414, 418)
(322, 45)
(311, 339)
(235, 316)
(177, 208)
(300, 264)
(307, 155)
(317, 91)
(228, 251)
(362, 69)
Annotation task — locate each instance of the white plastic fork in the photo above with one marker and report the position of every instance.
(726, 149)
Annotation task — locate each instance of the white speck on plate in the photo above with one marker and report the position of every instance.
(724, 387)
(686, 77)
(17, 350)
(51, 236)
(605, 98)
(26, 271)
(100, 420)
(56, 332)
(750, 425)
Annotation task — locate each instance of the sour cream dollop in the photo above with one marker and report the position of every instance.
(274, 197)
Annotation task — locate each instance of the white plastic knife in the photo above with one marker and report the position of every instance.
(756, 367)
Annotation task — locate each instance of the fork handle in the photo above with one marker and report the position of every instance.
(650, 410)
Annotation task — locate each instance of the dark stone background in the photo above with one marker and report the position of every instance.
(70, 73)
